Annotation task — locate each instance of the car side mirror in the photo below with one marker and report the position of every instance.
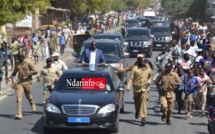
(121, 88)
(74, 54)
(126, 55)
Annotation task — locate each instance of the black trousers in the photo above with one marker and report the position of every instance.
(211, 127)
(180, 100)
(62, 48)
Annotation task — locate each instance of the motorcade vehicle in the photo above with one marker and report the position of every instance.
(86, 97)
(161, 37)
(138, 41)
(158, 23)
(111, 36)
(131, 23)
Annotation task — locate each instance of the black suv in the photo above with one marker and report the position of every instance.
(138, 41)
(129, 23)
(161, 37)
(111, 36)
(85, 99)
(113, 51)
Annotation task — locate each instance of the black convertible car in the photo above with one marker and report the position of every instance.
(85, 98)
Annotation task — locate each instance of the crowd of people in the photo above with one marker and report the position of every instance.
(187, 69)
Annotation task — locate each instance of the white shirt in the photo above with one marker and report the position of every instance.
(60, 65)
(66, 32)
(198, 58)
(195, 48)
(92, 57)
(191, 52)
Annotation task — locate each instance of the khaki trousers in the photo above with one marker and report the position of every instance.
(191, 102)
(167, 105)
(201, 100)
(26, 88)
(140, 101)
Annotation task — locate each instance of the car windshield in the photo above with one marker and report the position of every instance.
(135, 33)
(107, 37)
(110, 50)
(89, 81)
(133, 22)
(142, 21)
(160, 30)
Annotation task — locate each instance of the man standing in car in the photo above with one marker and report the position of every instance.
(167, 82)
(141, 78)
(93, 55)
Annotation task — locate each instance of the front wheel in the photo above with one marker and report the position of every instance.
(116, 128)
(46, 130)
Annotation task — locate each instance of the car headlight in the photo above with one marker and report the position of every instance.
(125, 43)
(52, 108)
(147, 44)
(107, 109)
(168, 38)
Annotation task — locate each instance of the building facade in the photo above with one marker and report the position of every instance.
(210, 8)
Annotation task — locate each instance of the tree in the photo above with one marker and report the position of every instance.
(118, 5)
(197, 10)
(14, 10)
(176, 7)
(134, 4)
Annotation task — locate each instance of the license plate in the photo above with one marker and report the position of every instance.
(78, 120)
(158, 45)
(135, 51)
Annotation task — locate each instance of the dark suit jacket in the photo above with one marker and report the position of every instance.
(99, 56)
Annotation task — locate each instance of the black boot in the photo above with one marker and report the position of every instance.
(137, 115)
(169, 122)
(163, 117)
(143, 122)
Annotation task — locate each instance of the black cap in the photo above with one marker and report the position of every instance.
(49, 60)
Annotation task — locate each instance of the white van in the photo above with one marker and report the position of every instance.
(149, 14)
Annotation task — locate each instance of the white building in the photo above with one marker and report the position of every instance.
(210, 8)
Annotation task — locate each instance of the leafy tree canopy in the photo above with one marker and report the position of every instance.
(15, 10)
(176, 7)
(90, 6)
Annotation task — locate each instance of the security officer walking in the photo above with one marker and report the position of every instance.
(167, 82)
(141, 78)
(25, 70)
(129, 68)
(50, 77)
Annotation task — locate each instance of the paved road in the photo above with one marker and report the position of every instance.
(32, 122)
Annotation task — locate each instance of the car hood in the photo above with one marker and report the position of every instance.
(109, 59)
(87, 97)
(136, 39)
(161, 35)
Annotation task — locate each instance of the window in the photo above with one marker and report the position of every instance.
(115, 79)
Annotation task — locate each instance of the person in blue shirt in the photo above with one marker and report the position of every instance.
(62, 41)
(192, 37)
(180, 90)
(191, 88)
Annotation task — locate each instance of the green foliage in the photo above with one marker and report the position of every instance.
(79, 7)
(176, 7)
(15, 10)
